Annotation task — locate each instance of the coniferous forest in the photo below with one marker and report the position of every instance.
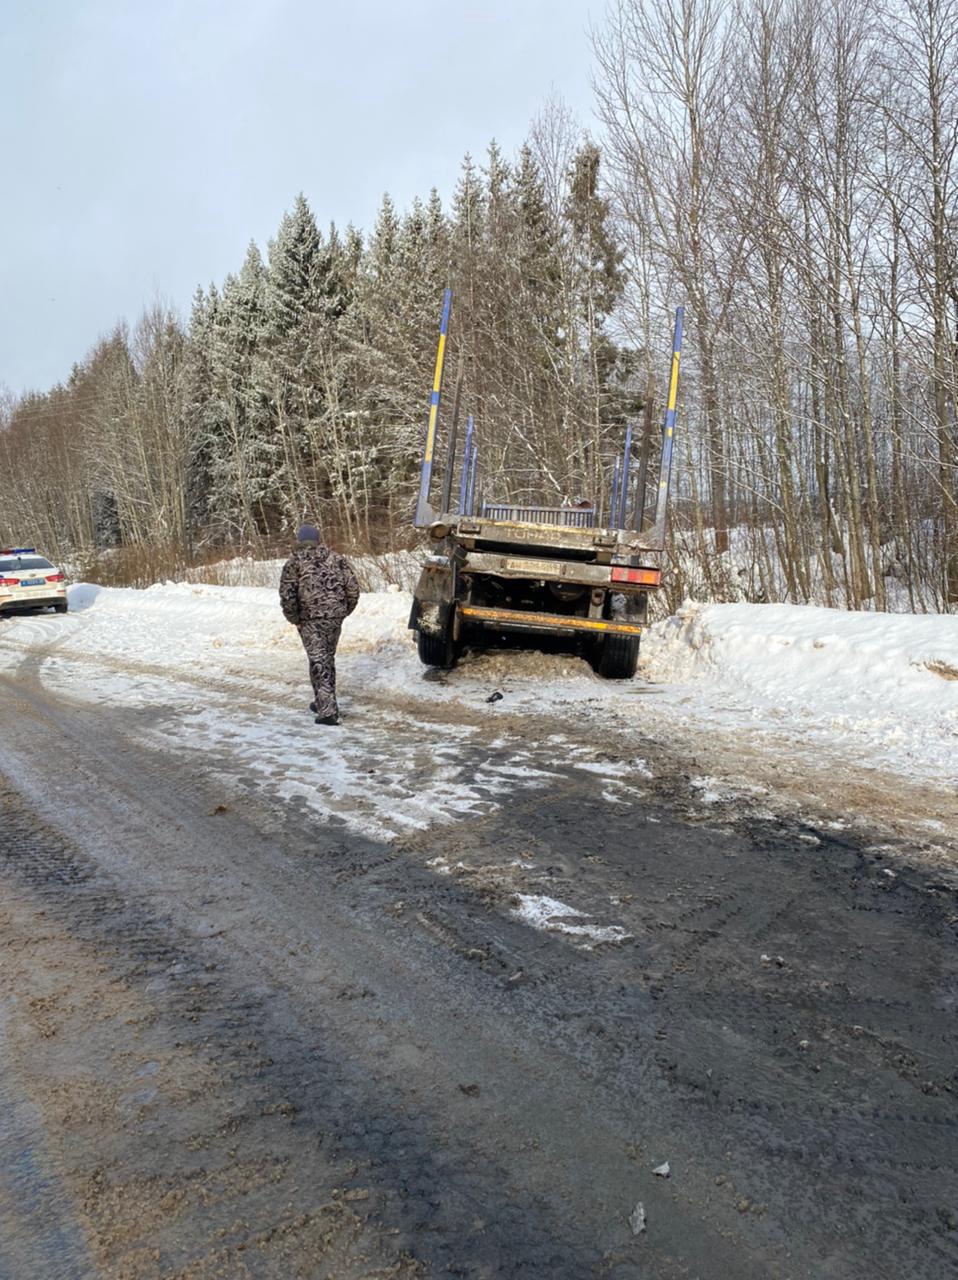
(785, 168)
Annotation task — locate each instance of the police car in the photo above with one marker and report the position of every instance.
(28, 581)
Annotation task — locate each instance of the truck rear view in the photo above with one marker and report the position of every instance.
(575, 576)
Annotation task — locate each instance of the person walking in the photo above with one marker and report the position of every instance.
(317, 590)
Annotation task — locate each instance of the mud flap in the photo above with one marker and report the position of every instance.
(435, 598)
(434, 619)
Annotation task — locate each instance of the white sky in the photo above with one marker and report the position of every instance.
(144, 142)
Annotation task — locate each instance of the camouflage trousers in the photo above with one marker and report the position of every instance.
(320, 639)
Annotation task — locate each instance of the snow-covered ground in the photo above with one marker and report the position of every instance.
(881, 688)
(877, 690)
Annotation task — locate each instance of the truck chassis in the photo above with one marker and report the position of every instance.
(551, 575)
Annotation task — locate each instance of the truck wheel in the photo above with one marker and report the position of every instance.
(617, 657)
(436, 651)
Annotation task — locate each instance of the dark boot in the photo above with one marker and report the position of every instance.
(327, 719)
(312, 707)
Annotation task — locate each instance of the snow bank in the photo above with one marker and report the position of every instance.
(889, 679)
(231, 617)
(240, 571)
(83, 595)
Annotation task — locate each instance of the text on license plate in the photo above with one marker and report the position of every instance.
(32, 582)
(532, 567)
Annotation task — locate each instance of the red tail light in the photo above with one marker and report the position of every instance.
(56, 577)
(9, 582)
(640, 577)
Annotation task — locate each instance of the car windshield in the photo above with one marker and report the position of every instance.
(15, 564)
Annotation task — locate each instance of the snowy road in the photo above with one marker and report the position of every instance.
(436, 995)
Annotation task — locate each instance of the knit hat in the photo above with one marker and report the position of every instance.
(307, 533)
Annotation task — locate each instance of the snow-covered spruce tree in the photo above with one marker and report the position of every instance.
(534, 383)
(609, 384)
(391, 331)
(204, 420)
(305, 300)
(241, 450)
(535, 278)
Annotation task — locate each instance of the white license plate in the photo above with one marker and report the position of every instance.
(534, 568)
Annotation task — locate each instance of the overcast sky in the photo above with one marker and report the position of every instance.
(144, 142)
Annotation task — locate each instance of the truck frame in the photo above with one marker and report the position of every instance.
(568, 576)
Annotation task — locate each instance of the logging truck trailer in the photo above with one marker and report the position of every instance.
(574, 577)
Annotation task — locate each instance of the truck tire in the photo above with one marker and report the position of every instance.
(436, 651)
(617, 657)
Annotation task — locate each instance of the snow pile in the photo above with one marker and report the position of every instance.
(83, 595)
(381, 620)
(241, 571)
(888, 679)
(243, 617)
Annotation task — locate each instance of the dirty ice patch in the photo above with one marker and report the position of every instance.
(360, 774)
(552, 916)
(371, 774)
(97, 682)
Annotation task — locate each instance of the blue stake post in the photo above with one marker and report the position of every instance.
(423, 510)
(656, 537)
(624, 482)
(473, 463)
(614, 504)
(466, 460)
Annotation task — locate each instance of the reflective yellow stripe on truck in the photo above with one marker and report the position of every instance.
(547, 621)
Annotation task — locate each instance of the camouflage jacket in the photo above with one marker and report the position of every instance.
(317, 584)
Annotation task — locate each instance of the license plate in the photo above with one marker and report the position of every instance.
(32, 582)
(548, 568)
